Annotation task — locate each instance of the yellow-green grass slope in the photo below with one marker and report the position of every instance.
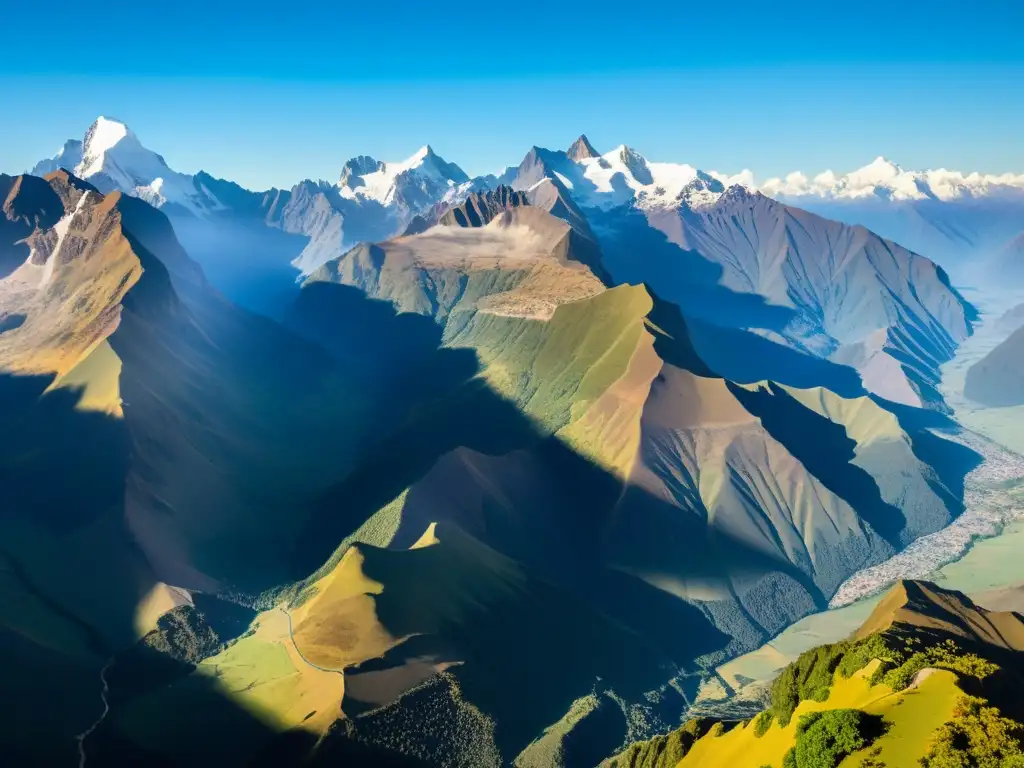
(928, 664)
(371, 631)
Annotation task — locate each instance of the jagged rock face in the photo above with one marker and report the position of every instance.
(582, 149)
(28, 203)
(479, 208)
(357, 167)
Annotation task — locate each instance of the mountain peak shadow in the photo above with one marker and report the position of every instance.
(60, 466)
(695, 280)
(824, 448)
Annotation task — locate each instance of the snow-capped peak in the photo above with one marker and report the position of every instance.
(882, 166)
(112, 149)
(112, 158)
(423, 173)
(421, 154)
(883, 177)
(624, 175)
(887, 180)
(104, 134)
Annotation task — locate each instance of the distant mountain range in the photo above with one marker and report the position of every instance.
(730, 256)
(962, 220)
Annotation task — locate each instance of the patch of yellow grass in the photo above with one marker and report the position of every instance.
(265, 674)
(339, 626)
(912, 715)
(97, 376)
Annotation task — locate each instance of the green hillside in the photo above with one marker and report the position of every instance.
(929, 680)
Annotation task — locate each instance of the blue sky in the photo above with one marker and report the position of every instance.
(270, 96)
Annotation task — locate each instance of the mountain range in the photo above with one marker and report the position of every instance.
(965, 221)
(414, 468)
(730, 256)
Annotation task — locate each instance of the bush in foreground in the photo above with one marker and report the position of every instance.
(823, 739)
(978, 736)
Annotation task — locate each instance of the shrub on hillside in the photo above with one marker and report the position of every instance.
(663, 751)
(762, 723)
(809, 677)
(823, 739)
(978, 736)
(946, 655)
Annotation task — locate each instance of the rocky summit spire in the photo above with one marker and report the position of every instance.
(581, 149)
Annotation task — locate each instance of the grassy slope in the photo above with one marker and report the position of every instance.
(235, 702)
(582, 374)
(555, 369)
(911, 715)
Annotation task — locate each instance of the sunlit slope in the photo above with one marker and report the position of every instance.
(923, 609)
(374, 630)
(932, 677)
(883, 447)
(235, 702)
(912, 716)
(758, 501)
(555, 370)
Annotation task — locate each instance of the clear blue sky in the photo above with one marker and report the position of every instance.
(267, 96)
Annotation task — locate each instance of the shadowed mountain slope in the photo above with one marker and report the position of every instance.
(997, 380)
(736, 259)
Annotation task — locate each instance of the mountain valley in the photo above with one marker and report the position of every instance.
(416, 468)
